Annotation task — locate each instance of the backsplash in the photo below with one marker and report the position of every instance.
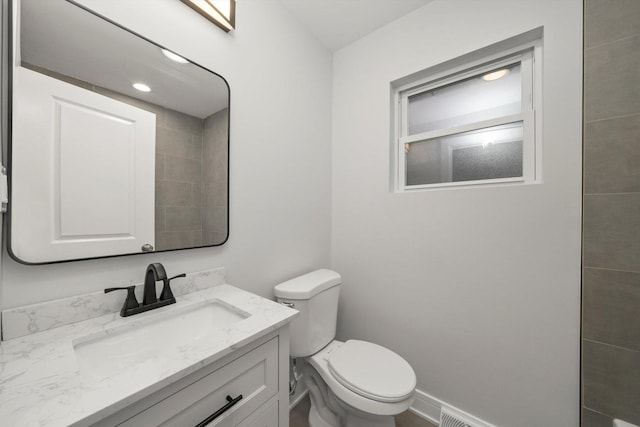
(20, 321)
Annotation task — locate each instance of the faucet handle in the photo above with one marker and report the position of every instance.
(130, 302)
(166, 289)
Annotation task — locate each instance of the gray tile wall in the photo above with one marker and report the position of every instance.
(214, 178)
(178, 181)
(611, 223)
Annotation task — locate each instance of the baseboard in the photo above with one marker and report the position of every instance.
(293, 401)
(301, 392)
(427, 407)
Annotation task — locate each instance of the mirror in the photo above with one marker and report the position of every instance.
(118, 146)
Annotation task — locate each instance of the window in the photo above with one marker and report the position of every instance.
(471, 125)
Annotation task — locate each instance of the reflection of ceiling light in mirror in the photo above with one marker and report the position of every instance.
(220, 12)
(175, 58)
(495, 75)
(142, 87)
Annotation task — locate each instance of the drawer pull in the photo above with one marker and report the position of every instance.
(230, 402)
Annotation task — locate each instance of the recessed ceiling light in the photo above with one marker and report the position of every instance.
(495, 75)
(142, 87)
(175, 58)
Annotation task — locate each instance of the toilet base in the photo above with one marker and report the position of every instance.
(315, 420)
(329, 411)
(352, 420)
(361, 419)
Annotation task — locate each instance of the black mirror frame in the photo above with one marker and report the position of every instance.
(8, 43)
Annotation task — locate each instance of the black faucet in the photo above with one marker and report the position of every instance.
(155, 272)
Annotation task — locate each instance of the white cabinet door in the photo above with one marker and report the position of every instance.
(83, 172)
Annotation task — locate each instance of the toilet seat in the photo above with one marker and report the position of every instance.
(320, 364)
(372, 371)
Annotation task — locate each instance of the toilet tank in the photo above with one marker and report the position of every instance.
(315, 296)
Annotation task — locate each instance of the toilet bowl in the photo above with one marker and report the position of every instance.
(353, 383)
(366, 384)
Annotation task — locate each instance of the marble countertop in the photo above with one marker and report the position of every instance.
(42, 384)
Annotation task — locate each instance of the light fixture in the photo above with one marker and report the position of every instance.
(172, 56)
(142, 87)
(495, 75)
(220, 12)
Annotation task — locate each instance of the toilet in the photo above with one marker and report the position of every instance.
(353, 383)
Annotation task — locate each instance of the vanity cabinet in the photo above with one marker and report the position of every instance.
(257, 372)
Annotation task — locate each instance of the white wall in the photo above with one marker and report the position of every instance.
(280, 80)
(479, 288)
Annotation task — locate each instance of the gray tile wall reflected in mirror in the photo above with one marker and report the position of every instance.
(191, 192)
(179, 140)
(611, 223)
(214, 182)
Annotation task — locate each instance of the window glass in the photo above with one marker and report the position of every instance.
(492, 94)
(488, 153)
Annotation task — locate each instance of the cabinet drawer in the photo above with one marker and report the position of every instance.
(253, 375)
(263, 417)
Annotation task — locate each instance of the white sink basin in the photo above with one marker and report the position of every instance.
(142, 345)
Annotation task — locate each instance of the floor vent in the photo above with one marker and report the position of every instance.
(449, 417)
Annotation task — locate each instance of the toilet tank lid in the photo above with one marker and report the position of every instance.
(308, 285)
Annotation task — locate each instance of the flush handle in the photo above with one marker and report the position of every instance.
(288, 304)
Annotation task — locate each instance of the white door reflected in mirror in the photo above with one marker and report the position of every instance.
(97, 156)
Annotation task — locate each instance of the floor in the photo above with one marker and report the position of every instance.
(298, 417)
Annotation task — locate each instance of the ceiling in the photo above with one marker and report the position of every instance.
(63, 49)
(337, 23)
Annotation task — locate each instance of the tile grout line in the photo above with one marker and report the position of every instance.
(626, 193)
(597, 412)
(612, 269)
(610, 345)
(621, 116)
(611, 42)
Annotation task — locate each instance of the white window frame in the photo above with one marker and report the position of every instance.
(529, 56)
